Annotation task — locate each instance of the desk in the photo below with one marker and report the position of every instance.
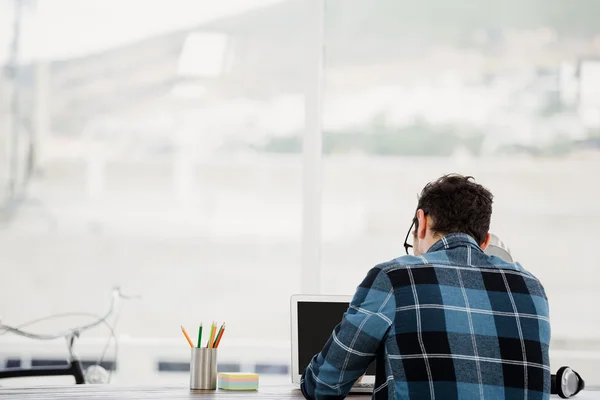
(108, 392)
(148, 392)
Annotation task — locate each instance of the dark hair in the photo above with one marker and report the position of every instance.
(457, 204)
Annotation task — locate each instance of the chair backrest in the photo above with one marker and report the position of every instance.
(498, 248)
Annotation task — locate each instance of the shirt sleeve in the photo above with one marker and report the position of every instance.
(354, 342)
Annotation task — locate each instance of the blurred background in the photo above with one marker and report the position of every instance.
(158, 146)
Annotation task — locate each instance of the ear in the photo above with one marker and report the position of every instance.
(486, 241)
(422, 218)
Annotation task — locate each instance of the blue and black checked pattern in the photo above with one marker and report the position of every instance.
(453, 323)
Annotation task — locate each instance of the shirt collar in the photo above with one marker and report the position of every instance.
(453, 240)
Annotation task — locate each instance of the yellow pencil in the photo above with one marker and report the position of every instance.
(187, 336)
(212, 336)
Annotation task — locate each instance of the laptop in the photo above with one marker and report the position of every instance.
(313, 318)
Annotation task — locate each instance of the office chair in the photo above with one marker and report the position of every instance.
(566, 383)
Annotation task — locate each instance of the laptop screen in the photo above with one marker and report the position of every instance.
(316, 321)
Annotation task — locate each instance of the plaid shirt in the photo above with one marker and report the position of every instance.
(453, 323)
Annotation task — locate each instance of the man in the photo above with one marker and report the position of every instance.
(448, 322)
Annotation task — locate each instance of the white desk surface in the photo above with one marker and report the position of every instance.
(165, 392)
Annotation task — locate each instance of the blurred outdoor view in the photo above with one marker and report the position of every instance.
(157, 146)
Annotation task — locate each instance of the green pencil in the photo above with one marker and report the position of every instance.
(217, 336)
(200, 335)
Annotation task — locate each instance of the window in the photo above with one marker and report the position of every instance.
(174, 153)
(151, 135)
(415, 90)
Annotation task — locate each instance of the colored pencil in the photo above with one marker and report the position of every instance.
(212, 336)
(217, 336)
(220, 335)
(187, 336)
(200, 336)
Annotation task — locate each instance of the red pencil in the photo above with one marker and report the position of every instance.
(219, 336)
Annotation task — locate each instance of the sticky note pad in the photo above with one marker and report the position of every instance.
(237, 381)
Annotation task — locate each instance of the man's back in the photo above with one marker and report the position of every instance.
(467, 326)
(449, 322)
(453, 323)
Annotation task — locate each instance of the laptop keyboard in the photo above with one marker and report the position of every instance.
(364, 385)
